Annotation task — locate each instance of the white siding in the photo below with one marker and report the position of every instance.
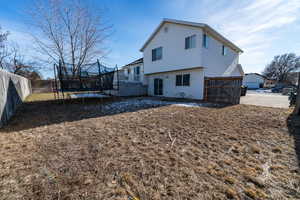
(194, 91)
(174, 54)
(171, 37)
(176, 57)
(214, 62)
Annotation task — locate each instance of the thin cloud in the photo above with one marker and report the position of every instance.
(254, 25)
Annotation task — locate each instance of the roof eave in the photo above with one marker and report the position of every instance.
(199, 25)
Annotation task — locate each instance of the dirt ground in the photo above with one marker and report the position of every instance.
(79, 150)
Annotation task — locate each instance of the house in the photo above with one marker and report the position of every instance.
(269, 83)
(134, 71)
(179, 55)
(254, 80)
(130, 80)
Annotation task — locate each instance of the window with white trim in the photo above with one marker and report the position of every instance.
(183, 80)
(190, 42)
(157, 54)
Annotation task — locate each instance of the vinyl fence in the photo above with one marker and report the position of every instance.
(223, 89)
(13, 90)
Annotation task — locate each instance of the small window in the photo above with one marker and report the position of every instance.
(178, 80)
(183, 80)
(157, 54)
(190, 42)
(224, 50)
(205, 41)
(186, 80)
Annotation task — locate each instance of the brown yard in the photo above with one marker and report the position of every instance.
(78, 151)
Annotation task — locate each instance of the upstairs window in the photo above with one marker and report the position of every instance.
(205, 41)
(183, 80)
(190, 42)
(224, 50)
(157, 54)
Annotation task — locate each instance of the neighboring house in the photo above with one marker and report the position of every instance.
(269, 83)
(254, 80)
(179, 55)
(130, 80)
(134, 71)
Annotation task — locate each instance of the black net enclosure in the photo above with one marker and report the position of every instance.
(87, 77)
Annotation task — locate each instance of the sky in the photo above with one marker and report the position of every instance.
(261, 28)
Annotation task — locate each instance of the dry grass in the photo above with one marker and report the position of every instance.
(49, 96)
(238, 152)
(40, 97)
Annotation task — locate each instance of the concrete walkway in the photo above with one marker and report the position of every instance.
(268, 100)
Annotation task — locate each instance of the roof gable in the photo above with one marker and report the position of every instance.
(205, 27)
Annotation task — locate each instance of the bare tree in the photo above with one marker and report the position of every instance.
(4, 52)
(71, 32)
(281, 67)
(16, 59)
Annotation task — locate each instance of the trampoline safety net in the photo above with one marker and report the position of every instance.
(87, 77)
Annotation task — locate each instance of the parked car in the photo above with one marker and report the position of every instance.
(277, 88)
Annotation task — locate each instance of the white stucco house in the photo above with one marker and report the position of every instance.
(254, 80)
(177, 57)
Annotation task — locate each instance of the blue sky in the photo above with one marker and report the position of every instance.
(262, 28)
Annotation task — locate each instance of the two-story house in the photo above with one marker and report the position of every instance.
(179, 54)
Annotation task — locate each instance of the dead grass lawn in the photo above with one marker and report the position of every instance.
(171, 152)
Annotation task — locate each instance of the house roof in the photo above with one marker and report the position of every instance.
(257, 75)
(206, 27)
(138, 61)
